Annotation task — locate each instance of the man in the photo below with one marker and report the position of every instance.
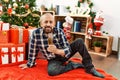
(57, 52)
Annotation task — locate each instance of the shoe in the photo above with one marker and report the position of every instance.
(95, 73)
(76, 65)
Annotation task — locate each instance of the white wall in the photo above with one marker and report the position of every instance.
(112, 18)
(109, 7)
(56, 2)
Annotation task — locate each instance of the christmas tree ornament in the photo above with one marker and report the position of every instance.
(13, 12)
(26, 6)
(9, 11)
(26, 25)
(15, 5)
(6, 1)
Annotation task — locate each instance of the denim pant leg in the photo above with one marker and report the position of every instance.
(57, 66)
(79, 46)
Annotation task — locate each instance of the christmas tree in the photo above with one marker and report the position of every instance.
(20, 12)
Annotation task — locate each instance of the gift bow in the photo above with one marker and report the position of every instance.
(17, 53)
(2, 53)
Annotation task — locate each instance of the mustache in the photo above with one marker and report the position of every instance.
(48, 27)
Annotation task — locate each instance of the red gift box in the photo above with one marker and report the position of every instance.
(0, 26)
(19, 36)
(5, 53)
(18, 53)
(4, 36)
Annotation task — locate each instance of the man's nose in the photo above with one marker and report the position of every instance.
(48, 23)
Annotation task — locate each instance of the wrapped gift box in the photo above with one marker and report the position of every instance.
(5, 53)
(4, 56)
(19, 35)
(4, 36)
(18, 53)
(5, 26)
(30, 31)
(0, 26)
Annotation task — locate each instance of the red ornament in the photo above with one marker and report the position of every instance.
(26, 25)
(26, 6)
(9, 10)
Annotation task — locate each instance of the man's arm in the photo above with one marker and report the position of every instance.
(53, 49)
(33, 50)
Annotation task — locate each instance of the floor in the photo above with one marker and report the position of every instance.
(109, 64)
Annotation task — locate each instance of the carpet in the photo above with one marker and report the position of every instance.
(39, 72)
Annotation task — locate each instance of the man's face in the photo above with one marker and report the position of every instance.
(47, 23)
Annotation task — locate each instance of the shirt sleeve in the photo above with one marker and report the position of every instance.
(64, 43)
(33, 50)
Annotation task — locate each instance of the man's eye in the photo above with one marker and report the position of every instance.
(46, 21)
(50, 21)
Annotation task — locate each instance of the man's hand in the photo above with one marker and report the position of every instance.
(23, 66)
(52, 48)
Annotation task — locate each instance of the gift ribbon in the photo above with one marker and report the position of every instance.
(20, 35)
(2, 55)
(17, 53)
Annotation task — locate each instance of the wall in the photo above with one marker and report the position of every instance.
(111, 14)
(112, 18)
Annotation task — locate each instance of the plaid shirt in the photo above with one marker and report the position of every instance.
(39, 42)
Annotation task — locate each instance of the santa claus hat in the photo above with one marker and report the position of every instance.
(69, 19)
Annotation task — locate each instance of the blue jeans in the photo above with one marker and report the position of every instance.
(57, 65)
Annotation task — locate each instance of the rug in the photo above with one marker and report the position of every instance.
(39, 72)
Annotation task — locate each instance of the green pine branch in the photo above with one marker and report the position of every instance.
(22, 14)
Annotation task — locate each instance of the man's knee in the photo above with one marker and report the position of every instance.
(53, 71)
(79, 40)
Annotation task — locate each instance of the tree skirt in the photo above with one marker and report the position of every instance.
(39, 72)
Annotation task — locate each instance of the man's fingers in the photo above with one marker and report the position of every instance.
(23, 66)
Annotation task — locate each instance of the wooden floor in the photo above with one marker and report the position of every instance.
(109, 64)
